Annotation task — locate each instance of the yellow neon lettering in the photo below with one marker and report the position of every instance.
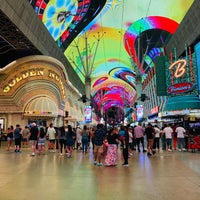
(18, 79)
(25, 75)
(6, 89)
(12, 83)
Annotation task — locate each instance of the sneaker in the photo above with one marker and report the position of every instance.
(99, 164)
(95, 162)
(33, 154)
(169, 150)
(179, 150)
(144, 151)
(149, 154)
(125, 164)
(60, 154)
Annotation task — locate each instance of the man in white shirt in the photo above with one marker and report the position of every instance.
(181, 138)
(168, 135)
(78, 138)
(51, 134)
(156, 143)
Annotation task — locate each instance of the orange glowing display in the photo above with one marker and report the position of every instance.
(180, 69)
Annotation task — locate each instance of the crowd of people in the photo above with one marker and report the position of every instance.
(104, 143)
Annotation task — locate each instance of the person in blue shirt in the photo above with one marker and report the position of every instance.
(17, 136)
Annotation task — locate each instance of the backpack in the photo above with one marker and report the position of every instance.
(84, 135)
(42, 133)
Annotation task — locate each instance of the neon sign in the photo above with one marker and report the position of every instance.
(32, 73)
(180, 88)
(24, 75)
(181, 68)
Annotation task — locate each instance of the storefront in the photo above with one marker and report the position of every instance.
(34, 88)
(181, 88)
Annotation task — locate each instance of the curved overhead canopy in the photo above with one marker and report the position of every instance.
(145, 38)
(110, 40)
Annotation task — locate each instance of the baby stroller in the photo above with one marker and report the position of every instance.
(194, 143)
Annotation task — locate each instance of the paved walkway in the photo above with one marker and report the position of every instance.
(165, 176)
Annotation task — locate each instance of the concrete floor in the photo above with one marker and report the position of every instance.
(165, 176)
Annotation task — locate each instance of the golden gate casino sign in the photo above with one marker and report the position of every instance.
(178, 70)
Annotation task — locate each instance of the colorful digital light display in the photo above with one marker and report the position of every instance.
(88, 114)
(197, 52)
(115, 28)
(133, 34)
(140, 112)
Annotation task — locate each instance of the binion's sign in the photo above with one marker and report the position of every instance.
(179, 69)
(180, 88)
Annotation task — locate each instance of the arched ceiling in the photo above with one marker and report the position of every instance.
(113, 38)
(41, 106)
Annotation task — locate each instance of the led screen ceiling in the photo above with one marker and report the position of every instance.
(112, 41)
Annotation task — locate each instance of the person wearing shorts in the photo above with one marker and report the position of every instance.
(17, 136)
(99, 136)
(10, 136)
(25, 133)
(51, 134)
(33, 136)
